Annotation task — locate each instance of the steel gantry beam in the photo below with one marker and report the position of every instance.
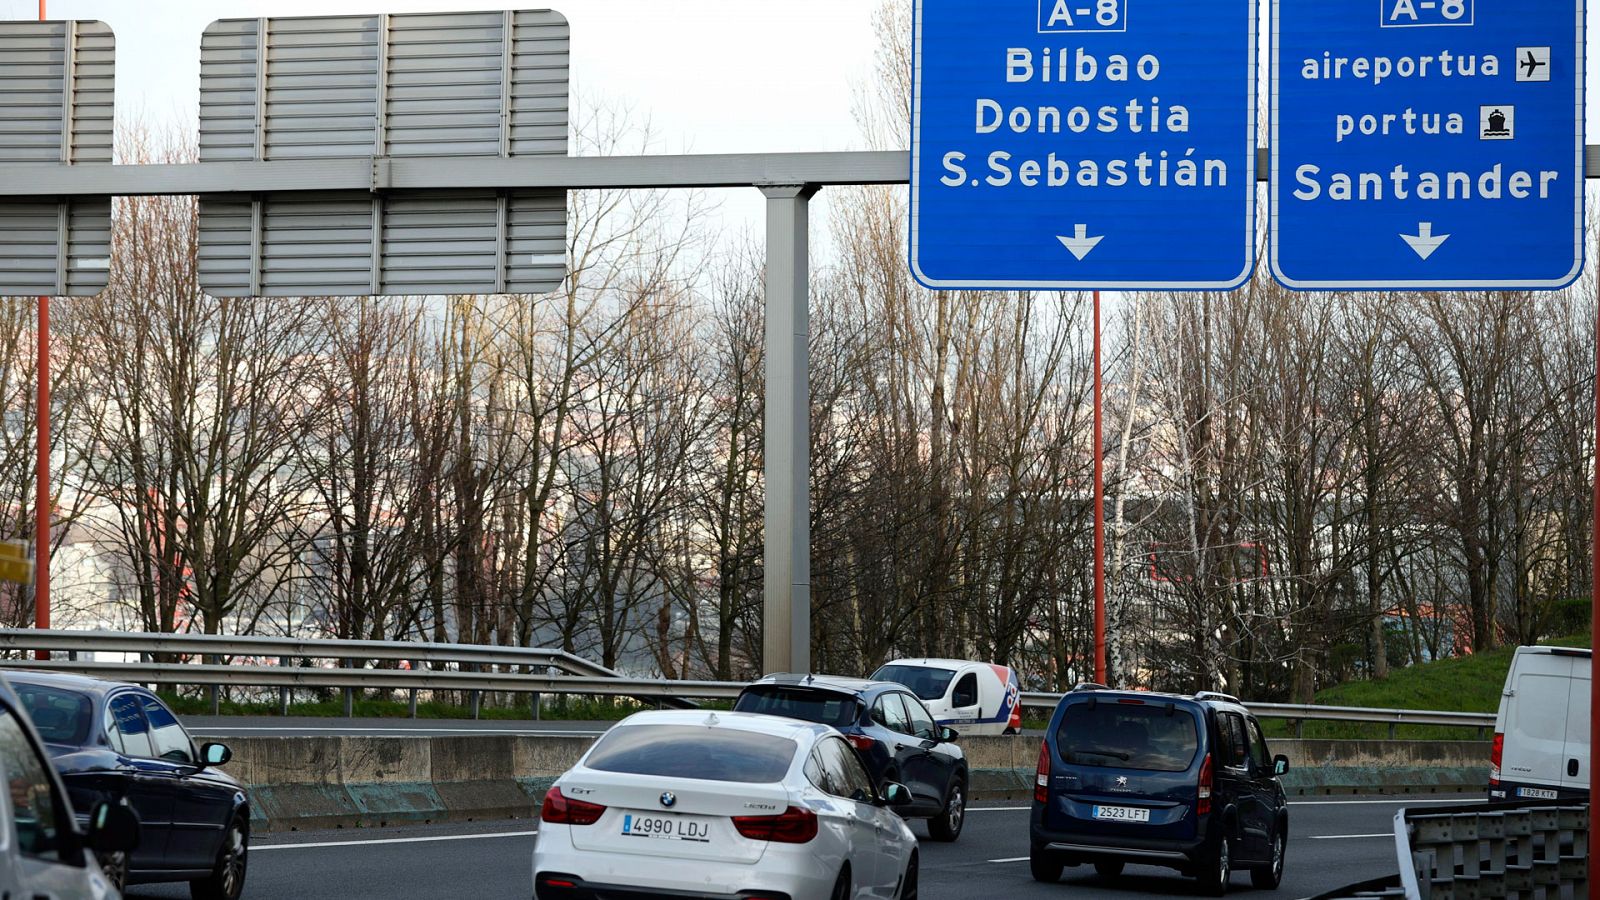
(383, 173)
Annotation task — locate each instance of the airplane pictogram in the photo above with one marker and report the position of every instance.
(1532, 64)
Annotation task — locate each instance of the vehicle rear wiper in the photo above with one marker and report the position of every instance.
(1111, 753)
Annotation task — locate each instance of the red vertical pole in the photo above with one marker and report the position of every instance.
(1099, 512)
(42, 510)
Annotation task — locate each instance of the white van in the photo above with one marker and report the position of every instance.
(972, 697)
(1541, 735)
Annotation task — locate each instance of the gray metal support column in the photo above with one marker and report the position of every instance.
(786, 621)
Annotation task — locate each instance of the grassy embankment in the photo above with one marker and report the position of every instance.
(1458, 684)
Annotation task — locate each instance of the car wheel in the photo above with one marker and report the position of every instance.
(841, 886)
(1109, 868)
(1045, 866)
(226, 881)
(946, 826)
(908, 885)
(1268, 877)
(115, 868)
(1215, 872)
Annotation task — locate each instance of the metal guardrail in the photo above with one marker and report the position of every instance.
(1519, 850)
(149, 644)
(1300, 714)
(475, 671)
(473, 665)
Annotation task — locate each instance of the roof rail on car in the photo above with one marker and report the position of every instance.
(1090, 686)
(1218, 695)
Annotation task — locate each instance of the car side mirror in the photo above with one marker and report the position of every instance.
(948, 735)
(1280, 765)
(215, 755)
(113, 828)
(896, 795)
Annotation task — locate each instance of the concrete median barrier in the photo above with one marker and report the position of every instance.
(354, 782)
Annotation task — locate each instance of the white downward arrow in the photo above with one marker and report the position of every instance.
(1080, 243)
(1425, 241)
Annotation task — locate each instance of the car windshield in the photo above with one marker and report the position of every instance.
(694, 751)
(806, 704)
(926, 683)
(1125, 736)
(62, 717)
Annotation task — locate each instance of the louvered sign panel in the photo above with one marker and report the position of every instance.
(452, 85)
(56, 99)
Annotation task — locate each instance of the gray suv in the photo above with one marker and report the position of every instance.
(43, 852)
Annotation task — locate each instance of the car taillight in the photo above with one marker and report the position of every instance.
(1496, 752)
(1041, 775)
(861, 742)
(559, 809)
(792, 826)
(1203, 796)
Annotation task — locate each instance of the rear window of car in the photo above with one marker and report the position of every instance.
(694, 751)
(926, 683)
(805, 704)
(62, 717)
(1125, 736)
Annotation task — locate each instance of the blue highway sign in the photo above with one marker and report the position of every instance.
(1427, 144)
(1084, 144)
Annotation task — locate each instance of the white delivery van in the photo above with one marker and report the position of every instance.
(971, 697)
(1541, 735)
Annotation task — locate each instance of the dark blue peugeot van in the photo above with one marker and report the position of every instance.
(1158, 779)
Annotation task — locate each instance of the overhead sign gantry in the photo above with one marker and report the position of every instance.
(1426, 144)
(390, 89)
(1084, 144)
(56, 106)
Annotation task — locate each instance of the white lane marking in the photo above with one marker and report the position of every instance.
(1014, 859)
(999, 808)
(1398, 801)
(1347, 837)
(400, 731)
(411, 840)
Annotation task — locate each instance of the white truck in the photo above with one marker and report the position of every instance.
(1541, 735)
(974, 698)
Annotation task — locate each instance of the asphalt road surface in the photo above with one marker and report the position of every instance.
(1333, 842)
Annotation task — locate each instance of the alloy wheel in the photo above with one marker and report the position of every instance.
(956, 808)
(115, 867)
(234, 858)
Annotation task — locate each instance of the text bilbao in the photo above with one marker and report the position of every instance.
(1138, 115)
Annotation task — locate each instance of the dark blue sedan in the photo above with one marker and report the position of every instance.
(115, 741)
(892, 732)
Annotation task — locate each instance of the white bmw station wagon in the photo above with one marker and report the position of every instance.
(734, 805)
